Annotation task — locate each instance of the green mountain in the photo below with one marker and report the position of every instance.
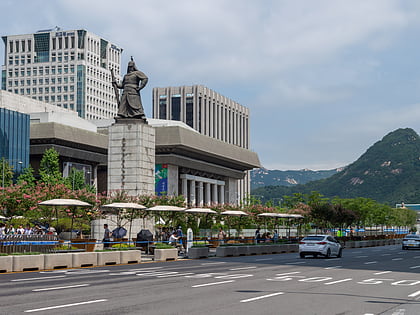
(261, 177)
(388, 172)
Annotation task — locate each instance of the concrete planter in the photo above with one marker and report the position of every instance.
(198, 252)
(6, 263)
(56, 261)
(130, 256)
(28, 262)
(84, 260)
(243, 250)
(108, 258)
(226, 251)
(166, 254)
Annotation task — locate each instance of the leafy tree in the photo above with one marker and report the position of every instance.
(49, 169)
(76, 179)
(6, 173)
(27, 178)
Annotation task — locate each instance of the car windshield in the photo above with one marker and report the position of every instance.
(412, 236)
(313, 238)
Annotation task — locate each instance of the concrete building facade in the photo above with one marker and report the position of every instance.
(211, 114)
(69, 69)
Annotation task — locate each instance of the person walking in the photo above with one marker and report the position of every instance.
(221, 236)
(107, 236)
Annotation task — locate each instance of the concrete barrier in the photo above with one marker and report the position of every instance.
(84, 260)
(166, 254)
(6, 264)
(130, 256)
(56, 261)
(198, 252)
(108, 258)
(28, 262)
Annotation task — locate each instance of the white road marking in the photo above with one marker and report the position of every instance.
(85, 271)
(214, 263)
(262, 259)
(261, 297)
(397, 259)
(287, 273)
(371, 262)
(360, 256)
(382, 272)
(122, 273)
(158, 273)
(176, 275)
(243, 268)
(146, 269)
(414, 294)
(59, 288)
(39, 278)
(64, 305)
(414, 267)
(333, 267)
(296, 263)
(386, 255)
(338, 281)
(211, 283)
(416, 257)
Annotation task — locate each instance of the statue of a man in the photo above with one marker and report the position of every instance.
(130, 105)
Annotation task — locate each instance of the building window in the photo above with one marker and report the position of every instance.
(189, 111)
(176, 107)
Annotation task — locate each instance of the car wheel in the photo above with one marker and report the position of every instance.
(302, 255)
(328, 255)
(340, 253)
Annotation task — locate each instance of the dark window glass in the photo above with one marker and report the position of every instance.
(176, 108)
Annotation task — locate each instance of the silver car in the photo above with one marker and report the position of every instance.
(324, 245)
(411, 241)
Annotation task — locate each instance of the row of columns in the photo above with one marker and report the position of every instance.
(200, 191)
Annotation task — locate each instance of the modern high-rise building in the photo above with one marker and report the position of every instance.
(211, 114)
(70, 69)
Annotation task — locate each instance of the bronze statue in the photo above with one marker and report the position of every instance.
(130, 106)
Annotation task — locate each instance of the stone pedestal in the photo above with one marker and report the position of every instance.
(131, 157)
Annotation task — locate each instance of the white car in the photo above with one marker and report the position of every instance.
(324, 245)
(411, 241)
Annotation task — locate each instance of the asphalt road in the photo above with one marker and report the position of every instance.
(379, 280)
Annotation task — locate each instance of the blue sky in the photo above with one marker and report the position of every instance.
(324, 79)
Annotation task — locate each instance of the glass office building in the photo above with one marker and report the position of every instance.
(14, 139)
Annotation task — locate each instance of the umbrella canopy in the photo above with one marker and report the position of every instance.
(200, 210)
(124, 205)
(166, 208)
(237, 213)
(64, 202)
(296, 216)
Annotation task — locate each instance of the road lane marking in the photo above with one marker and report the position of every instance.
(261, 297)
(214, 263)
(211, 283)
(338, 281)
(242, 268)
(59, 288)
(333, 267)
(64, 305)
(414, 267)
(360, 256)
(287, 273)
(397, 259)
(382, 272)
(386, 255)
(176, 275)
(146, 269)
(262, 259)
(296, 263)
(40, 278)
(158, 273)
(370, 262)
(414, 294)
(86, 271)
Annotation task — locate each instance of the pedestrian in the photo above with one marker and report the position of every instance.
(20, 230)
(2, 229)
(275, 236)
(221, 236)
(257, 235)
(11, 229)
(107, 236)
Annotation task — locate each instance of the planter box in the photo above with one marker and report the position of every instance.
(108, 258)
(227, 251)
(28, 262)
(242, 250)
(198, 252)
(86, 244)
(6, 263)
(56, 261)
(130, 256)
(84, 260)
(166, 254)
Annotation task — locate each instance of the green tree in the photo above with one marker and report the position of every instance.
(76, 179)
(6, 173)
(27, 178)
(49, 169)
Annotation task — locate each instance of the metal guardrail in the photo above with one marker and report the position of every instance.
(28, 243)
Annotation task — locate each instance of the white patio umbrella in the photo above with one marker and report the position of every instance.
(166, 208)
(65, 203)
(125, 205)
(205, 211)
(235, 213)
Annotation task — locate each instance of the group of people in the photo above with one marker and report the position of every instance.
(9, 229)
(266, 237)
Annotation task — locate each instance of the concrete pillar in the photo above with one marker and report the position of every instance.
(208, 194)
(222, 194)
(200, 197)
(185, 189)
(192, 199)
(215, 194)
